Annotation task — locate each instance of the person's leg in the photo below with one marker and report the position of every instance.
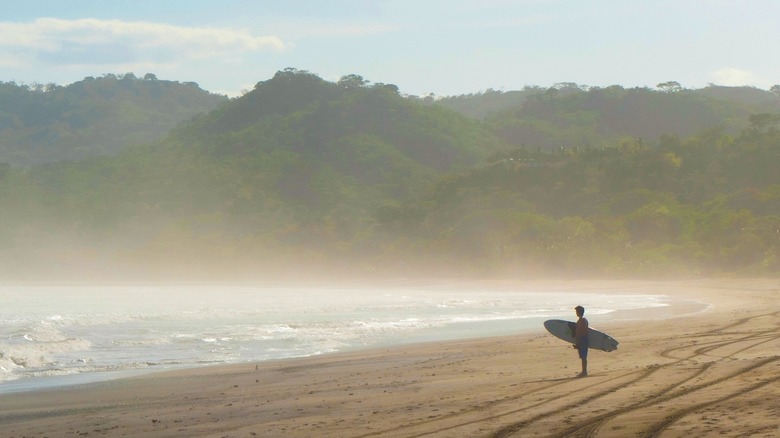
(584, 357)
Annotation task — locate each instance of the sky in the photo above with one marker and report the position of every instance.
(444, 47)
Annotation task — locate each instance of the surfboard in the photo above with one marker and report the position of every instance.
(564, 330)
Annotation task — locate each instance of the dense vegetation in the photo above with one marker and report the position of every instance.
(568, 115)
(302, 175)
(95, 116)
(707, 204)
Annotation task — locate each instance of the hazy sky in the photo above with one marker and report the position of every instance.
(444, 47)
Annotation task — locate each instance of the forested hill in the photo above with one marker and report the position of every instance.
(296, 167)
(95, 116)
(303, 176)
(567, 115)
(318, 145)
(298, 111)
(604, 116)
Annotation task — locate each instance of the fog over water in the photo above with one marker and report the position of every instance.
(52, 335)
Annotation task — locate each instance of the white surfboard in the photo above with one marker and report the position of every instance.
(564, 330)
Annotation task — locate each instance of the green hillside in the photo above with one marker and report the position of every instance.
(705, 205)
(603, 116)
(298, 164)
(95, 116)
(568, 115)
(318, 145)
(303, 176)
(483, 104)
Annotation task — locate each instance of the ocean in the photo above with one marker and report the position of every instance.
(57, 335)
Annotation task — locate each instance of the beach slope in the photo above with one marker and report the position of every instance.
(713, 373)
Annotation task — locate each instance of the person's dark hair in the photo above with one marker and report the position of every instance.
(580, 310)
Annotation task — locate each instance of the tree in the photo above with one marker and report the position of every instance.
(353, 81)
(670, 87)
(764, 121)
(150, 77)
(775, 89)
(390, 87)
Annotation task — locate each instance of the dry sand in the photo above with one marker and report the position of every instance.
(712, 373)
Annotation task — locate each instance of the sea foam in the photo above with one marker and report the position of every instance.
(54, 331)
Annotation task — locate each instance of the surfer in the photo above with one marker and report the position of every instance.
(581, 338)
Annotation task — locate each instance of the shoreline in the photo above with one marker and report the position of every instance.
(680, 308)
(672, 307)
(721, 358)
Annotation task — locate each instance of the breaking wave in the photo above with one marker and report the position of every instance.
(63, 331)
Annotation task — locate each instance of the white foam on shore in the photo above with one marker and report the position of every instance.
(48, 335)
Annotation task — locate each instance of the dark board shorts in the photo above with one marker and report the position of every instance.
(582, 348)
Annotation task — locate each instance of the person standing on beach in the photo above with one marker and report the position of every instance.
(581, 339)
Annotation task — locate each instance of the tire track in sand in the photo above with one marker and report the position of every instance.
(656, 429)
(490, 404)
(590, 427)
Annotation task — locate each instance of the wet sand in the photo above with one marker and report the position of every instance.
(678, 372)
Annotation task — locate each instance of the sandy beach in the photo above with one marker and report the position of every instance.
(679, 371)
